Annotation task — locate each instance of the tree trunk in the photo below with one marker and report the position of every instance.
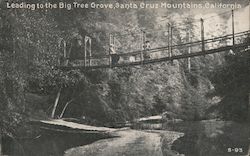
(56, 103)
(64, 108)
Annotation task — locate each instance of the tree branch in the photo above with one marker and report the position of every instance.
(56, 103)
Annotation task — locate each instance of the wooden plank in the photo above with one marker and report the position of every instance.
(60, 130)
(61, 124)
(150, 118)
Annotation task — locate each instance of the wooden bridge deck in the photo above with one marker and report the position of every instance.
(162, 59)
(59, 125)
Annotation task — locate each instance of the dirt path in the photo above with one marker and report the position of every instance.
(130, 143)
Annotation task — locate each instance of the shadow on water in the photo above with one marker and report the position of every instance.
(211, 138)
(49, 144)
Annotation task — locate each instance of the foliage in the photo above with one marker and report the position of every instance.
(29, 52)
(31, 48)
(231, 82)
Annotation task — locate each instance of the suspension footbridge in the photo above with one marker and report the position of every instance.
(172, 50)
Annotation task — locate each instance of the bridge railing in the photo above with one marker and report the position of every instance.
(134, 57)
(216, 42)
(213, 43)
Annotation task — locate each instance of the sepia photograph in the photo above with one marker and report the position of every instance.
(124, 78)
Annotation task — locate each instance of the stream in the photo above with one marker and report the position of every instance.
(207, 138)
(211, 138)
(203, 138)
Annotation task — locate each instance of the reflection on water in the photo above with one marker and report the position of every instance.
(208, 138)
(49, 144)
(211, 138)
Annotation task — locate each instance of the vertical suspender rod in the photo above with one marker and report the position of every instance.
(85, 52)
(202, 35)
(65, 59)
(233, 26)
(111, 45)
(189, 51)
(171, 42)
(87, 49)
(143, 36)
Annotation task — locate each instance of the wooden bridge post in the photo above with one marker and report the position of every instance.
(65, 53)
(169, 39)
(111, 44)
(90, 51)
(189, 51)
(202, 35)
(143, 40)
(233, 26)
(87, 47)
(64, 49)
(85, 54)
(171, 42)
